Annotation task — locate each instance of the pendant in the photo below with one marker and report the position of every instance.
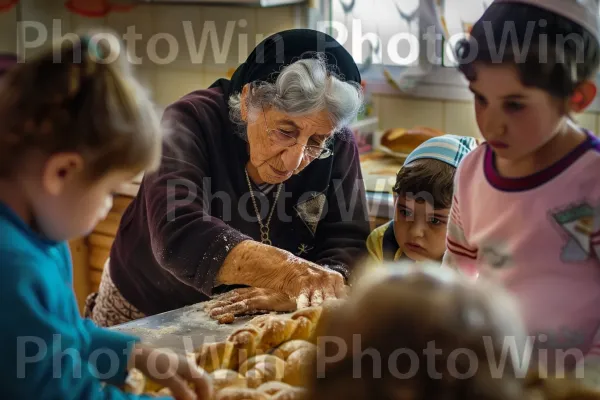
(264, 235)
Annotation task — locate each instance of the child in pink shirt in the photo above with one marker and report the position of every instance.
(526, 208)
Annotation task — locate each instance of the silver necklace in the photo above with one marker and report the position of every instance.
(264, 228)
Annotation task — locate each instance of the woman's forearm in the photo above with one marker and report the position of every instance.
(255, 264)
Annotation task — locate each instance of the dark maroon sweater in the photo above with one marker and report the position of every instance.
(187, 216)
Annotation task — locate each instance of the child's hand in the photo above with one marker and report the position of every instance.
(173, 371)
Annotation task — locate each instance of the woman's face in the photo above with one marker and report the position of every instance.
(271, 135)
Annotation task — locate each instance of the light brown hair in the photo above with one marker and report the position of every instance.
(407, 311)
(79, 97)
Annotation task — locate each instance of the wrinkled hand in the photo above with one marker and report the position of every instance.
(173, 371)
(248, 301)
(311, 284)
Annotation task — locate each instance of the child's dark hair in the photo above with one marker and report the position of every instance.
(79, 97)
(550, 52)
(427, 176)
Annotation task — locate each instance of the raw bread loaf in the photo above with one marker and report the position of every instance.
(275, 330)
(294, 393)
(227, 378)
(135, 382)
(298, 356)
(213, 356)
(273, 387)
(304, 329)
(261, 369)
(312, 313)
(245, 343)
(240, 394)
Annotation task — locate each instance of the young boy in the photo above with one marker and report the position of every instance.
(423, 196)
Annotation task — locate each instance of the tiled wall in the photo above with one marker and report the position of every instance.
(247, 27)
(189, 70)
(456, 117)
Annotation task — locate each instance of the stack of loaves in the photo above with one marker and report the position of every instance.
(266, 359)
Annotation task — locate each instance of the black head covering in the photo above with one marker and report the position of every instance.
(283, 48)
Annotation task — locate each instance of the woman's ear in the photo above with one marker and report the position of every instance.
(583, 96)
(243, 99)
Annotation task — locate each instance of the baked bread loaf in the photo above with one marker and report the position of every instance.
(406, 140)
(240, 394)
(298, 356)
(213, 356)
(227, 378)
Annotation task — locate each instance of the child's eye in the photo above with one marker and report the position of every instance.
(480, 100)
(514, 106)
(435, 221)
(405, 213)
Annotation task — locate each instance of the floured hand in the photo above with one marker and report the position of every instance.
(249, 301)
(312, 284)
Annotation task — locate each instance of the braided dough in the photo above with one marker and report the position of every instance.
(294, 393)
(273, 387)
(226, 378)
(261, 369)
(245, 342)
(298, 356)
(240, 394)
(275, 331)
(213, 356)
(266, 359)
(135, 382)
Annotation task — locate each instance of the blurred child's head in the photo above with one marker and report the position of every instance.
(75, 126)
(424, 190)
(421, 332)
(529, 68)
(7, 62)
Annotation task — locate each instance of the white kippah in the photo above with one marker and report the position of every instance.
(583, 12)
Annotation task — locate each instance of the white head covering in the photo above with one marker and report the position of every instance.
(583, 12)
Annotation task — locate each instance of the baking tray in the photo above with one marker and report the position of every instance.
(181, 330)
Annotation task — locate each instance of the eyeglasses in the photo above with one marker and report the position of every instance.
(283, 139)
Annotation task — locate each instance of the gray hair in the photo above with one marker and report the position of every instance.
(303, 87)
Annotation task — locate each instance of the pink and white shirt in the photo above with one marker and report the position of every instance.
(539, 236)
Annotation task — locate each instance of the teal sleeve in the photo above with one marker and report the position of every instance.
(119, 344)
(46, 351)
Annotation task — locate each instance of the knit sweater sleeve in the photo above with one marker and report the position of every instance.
(342, 234)
(48, 352)
(186, 239)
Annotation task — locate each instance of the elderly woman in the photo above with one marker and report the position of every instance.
(260, 190)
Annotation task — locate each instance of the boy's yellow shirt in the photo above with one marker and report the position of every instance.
(382, 244)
